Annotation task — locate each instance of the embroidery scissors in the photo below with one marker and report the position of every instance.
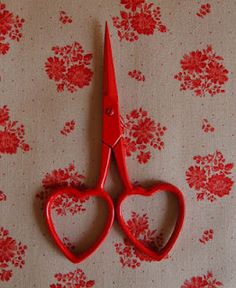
(112, 142)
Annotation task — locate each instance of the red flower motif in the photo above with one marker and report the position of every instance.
(55, 68)
(79, 75)
(194, 62)
(63, 205)
(206, 236)
(144, 157)
(68, 127)
(204, 10)
(8, 142)
(141, 18)
(141, 133)
(136, 75)
(202, 72)
(219, 185)
(217, 73)
(4, 115)
(73, 279)
(5, 275)
(130, 146)
(138, 225)
(3, 197)
(143, 130)
(130, 256)
(132, 4)
(66, 241)
(6, 21)
(12, 254)
(69, 67)
(207, 127)
(7, 249)
(4, 47)
(205, 281)
(64, 18)
(196, 177)
(12, 136)
(10, 27)
(210, 176)
(143, 23)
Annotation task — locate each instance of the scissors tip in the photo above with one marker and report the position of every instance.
(107, 34)
(109, 82)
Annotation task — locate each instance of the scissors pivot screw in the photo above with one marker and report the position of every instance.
(110, 111)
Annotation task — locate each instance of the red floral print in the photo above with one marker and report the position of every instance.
(210, 177)
(68, 128)
(207, 235)
(4, 115)
(205, 281)
(137, 75)
(219, 185)
(69, 67)
(12, 134)
(10, 28)
(67, 243)
(74, 279)
(3, 197)
(141, 133)
(64, 18)
(207, 127)
(132, 4)
(130, 256)
(55, 68)
(12, 254)
(144, 157)
(67, 176)
(204, 10)
(140, 18)
(202, 72)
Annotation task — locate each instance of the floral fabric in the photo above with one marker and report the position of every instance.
(175, 70)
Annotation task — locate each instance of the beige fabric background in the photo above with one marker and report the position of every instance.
(33, 100)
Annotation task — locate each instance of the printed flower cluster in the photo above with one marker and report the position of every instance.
(12, 134)
(138, 18)
(65, 204)
(69, 126)
(69, 67)
(210, 176)
(202, 72)
(74, 279)
(207, 127)
(207, 235)
(130, 256)
(205, 281)
(137, 75)
(10, 28)
(141, 133)
(3, 196)
(12, 254)
(204, 10)
(64, 18)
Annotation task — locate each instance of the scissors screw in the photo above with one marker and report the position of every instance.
(110, 111)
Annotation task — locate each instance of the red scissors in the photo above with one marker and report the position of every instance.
(112, 141)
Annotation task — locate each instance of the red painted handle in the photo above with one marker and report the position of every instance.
(158, 188)
(73, 192)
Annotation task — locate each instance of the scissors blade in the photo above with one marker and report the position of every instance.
(111, 115)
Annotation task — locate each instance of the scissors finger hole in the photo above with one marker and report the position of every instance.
(79, 221)
(152, 219)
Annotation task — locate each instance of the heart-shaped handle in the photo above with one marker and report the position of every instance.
(158, 188)
(80, 195)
